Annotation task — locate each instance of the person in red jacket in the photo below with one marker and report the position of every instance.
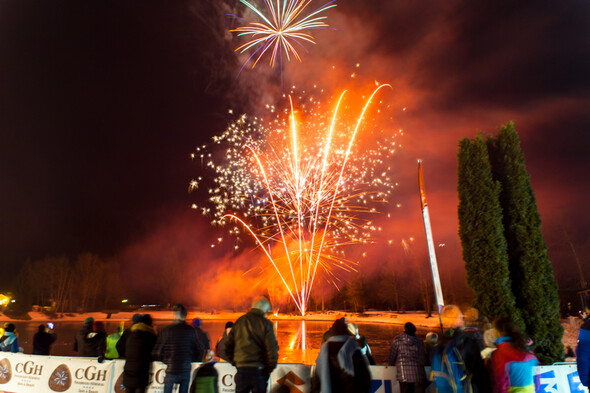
(512, 362)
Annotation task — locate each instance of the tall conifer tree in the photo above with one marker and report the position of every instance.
(482, 233)
(531, 272)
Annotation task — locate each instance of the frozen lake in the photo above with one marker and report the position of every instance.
(293, 348)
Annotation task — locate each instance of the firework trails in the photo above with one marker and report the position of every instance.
(303, 190)
(281, 30)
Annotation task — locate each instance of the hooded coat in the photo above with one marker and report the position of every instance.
(9, 343)
(136, 349)
(341, 367)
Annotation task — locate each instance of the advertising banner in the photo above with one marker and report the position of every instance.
(559, 378)
(157, 374)
(384, 379)
(32, 373)
(20, 373)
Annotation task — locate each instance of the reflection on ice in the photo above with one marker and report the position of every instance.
(298, 339)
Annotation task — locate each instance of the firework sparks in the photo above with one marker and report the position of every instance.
(285, 27)
(302, 190)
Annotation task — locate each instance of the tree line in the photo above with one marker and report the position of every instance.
(61, 284)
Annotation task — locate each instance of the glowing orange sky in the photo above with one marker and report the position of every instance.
(98, 119)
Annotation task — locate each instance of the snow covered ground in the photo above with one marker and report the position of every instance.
(418, 318)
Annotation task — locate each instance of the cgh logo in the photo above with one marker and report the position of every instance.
(28, 368)
(91, 373)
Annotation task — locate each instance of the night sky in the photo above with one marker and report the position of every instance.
(101, 104)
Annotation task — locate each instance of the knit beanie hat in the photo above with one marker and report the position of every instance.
(197, 322)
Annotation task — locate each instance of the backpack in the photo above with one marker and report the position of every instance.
(449, 373)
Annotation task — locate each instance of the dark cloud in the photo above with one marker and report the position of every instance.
(503, 54)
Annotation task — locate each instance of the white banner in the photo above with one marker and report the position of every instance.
(32, 373)
(559, 378)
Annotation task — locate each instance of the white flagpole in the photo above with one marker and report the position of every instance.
(433, 264)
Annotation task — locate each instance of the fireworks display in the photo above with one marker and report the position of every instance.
(303, 186)
(281, 30)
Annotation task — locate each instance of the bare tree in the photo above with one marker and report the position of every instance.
(426, 289)
(58, 275)
(389, 289)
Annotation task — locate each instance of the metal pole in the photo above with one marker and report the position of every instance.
(430, 241)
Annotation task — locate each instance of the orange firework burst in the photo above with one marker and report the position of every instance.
(302, 191)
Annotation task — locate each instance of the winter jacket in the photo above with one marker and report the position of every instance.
(81, 344)
(178, 346)
(203, 338)
(10, 343)
(513, 369)
(583, 352)
(96, 343)
(136, 348)
(112, 340)
(408, 355)
(42, 342)
(341, 368)
(220, 346)
(252, 342)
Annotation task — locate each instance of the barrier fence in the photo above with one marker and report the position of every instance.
(22, 373)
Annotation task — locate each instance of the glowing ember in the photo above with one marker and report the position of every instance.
(302, 191)
(285, 26)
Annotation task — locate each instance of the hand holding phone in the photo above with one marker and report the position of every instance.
(50, 325)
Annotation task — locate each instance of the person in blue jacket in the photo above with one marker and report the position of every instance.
(9, 341)
(583, 350)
